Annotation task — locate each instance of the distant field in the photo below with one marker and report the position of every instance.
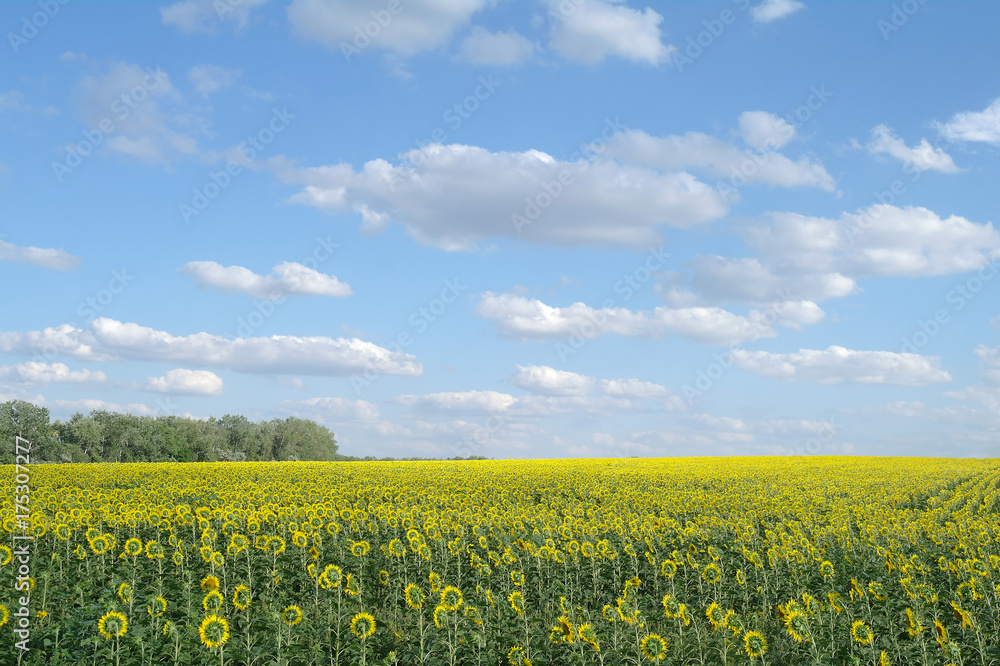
(680, 561)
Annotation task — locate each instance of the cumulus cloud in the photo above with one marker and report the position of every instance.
(462, 401)
(835, 365)
(879, 240)
(981, 126)
(202, 16)
(186, 382)
(106, 339)
(592, 30)
(720, 159)
(37, 256)
(482, 47)
(747, 280)
(633, 388)
(522, 318)
(88, 405)
(332, 409)
(208, 79)
(288, 278)
(150, 122)
(493, 402)
(460, 195)
(765, 131)
(34, 372)
(772, 10)
(549, 381)
(417, 28)
(923, 156)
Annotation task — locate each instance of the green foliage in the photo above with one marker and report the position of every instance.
(104, 436)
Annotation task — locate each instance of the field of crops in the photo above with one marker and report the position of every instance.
(672, 561)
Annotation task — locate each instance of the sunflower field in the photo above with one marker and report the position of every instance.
(819, 560)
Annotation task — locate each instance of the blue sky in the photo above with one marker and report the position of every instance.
(537, 229)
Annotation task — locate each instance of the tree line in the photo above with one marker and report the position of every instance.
(103, 436)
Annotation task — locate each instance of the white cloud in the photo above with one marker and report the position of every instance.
(836, 364)
(633, 388)
(698, 151)
(549, 381)
(482, 47)
(923, 156)
(747, 280)
(149, 120)
(983, 126)
(467, 401)
(111, 340)
(34, 372)
(208, 79)
(288, 278)
(460, 195)
(772, 10)
(879, 240)
(765, 131)
(88, 405)
(37, 256)
(589, 31)
(186, 382)
(530, 319)
(493, 402)
(202, 16)
(417, 28)
(332, 409)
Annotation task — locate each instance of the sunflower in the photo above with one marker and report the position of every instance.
(516, 600)
(451, 598)
(435, 581)
(112, 625)
(962, 615)
(798, 627)
(300, 539)
(62, 531)
(396, 548)
(668, 568)
(876, 589)
(913, 624)
(587, 634)
(133, 547)
(6, 555)
(563, 630)
(883, 659)
(711, 573)
(4, 615)
(125, 593)
(213, 601)
(940, 633)
(154, 550)
(291, 616)
(241, 597)
(517, 578)
(157, 607)
(517, 657)
(331, 577)
(654, 647)
(439, 612)
(862, 633)
(740, 577)
(178, 558)
(214, 631)
(276, 545)
(363, 625)
(209, 583)
(671, 606)
(826, 570)
(755, 644)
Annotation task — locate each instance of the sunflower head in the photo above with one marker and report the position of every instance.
(209, 583)
(862, 633)
(112, 625)
(363, 625)
(213, 631)
(654, 647)
(291, 616)
(755, 644)
(241, 597)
